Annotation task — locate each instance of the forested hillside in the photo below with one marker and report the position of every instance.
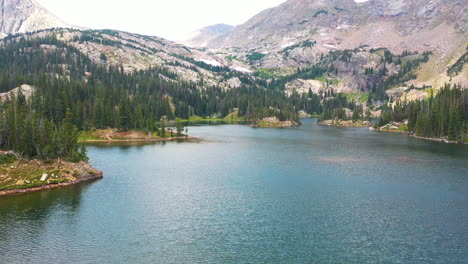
(101, 96)
(72, 92)
(444, 115)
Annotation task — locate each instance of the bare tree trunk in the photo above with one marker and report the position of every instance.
(58, 163)
(20, 157)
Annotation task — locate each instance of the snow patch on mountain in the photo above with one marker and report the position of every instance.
(289, 44)
(211, 62)
(241, 69)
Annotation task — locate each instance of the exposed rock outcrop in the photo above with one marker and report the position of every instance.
(25, 89)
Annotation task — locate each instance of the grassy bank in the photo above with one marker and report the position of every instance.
(113, 135)
(22, 174)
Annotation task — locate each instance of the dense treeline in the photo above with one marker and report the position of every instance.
(72, 92)
(457, 67)
(25, 131)
(308, 102)
(444, 115)
(101, 97)
(334, 107)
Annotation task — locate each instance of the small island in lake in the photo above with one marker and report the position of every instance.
(399, 127)
(274, 122)
(345, 123)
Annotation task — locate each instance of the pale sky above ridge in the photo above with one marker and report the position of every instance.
(171, 19)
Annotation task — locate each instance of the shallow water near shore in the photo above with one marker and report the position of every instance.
(310, 194)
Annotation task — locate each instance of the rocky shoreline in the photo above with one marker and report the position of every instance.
(35, 175)
(274, 122)
(442, 140)
(114, 136)
(345, 123)
(149, 140)
(88, 178)
(401, 127)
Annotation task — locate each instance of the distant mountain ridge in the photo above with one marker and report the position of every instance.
(133, 52)
(354, 47)
(20, 16)
(310, 54)
(341, 24)
(299, 33)
(205, 35)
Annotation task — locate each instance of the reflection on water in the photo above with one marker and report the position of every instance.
(25, 219)
(241, 195)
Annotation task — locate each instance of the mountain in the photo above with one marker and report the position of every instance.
(134, 52)
(346, 24)
(203, 36)
(104, 78)
(20, 16)
(324, 57)
(300, 33)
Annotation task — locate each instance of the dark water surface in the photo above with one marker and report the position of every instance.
(304, 195)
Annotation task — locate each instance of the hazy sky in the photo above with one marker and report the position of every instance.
(171, 19)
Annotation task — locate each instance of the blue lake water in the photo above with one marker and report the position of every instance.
(310, 194)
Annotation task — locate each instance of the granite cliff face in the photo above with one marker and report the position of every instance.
(20, 16)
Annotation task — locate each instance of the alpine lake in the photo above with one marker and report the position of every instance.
(309, 194)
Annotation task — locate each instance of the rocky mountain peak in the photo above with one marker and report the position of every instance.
(19, 16)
